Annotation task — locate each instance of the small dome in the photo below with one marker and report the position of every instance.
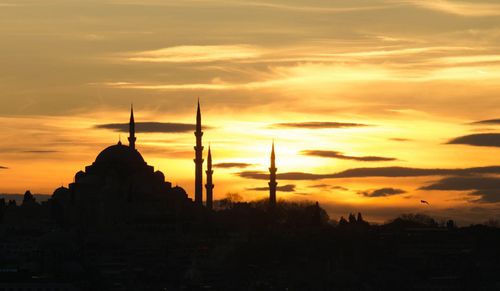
(119, 154)
(79, 175)
(60, 192)
(160, 176)
(179, 191)
(61, 189)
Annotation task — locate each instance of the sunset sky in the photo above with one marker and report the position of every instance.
(407, 88)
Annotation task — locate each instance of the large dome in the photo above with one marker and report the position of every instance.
(119, 154)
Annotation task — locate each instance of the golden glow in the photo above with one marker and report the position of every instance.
(415, 73)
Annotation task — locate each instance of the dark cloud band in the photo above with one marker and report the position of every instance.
(150, 127)
(339, 155)
(394, 172)
(384, 192)
(480, 139)
(284, 188)
(232, 165)
(487, 188)
(489, 121)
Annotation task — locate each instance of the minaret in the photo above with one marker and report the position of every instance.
(209, 185)
(131, 128)
(272, 179)
(198, 179)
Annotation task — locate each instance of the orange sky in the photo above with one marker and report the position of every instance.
(402, 77)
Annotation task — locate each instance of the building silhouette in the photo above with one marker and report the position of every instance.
(198, 179)
(118, 187)
(272, 179)
(209, 185)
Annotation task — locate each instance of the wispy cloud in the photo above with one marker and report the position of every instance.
(391, 172)
(319, 76)
(258, 4)
(232, 165)
(3, 168)
(327, 186)
(196, 53)
(9, 5)
(318, 124)
(384, 192)
(400, 139)
(150, 127)
(462, 8)
(484, 187)
(480, 139)
(339, 155)
(189, 86)
(488, 121)
(308, 8)
(284, 188)
(40, 151)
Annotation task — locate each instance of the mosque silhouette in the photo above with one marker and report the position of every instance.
(120, 187)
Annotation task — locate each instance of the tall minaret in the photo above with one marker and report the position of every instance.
(198, 179)
(209, 185)
(131, 128)
(272, 179)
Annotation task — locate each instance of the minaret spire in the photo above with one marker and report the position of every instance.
(272, 179)
(209, 186)
(198, 179)
(131, 127)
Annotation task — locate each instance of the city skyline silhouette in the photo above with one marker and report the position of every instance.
(249, 145)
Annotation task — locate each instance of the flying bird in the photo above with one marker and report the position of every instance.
(424, 202)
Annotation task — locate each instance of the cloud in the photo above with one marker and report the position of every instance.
(40, 151)
(309, 8)
(318, 124)
(339, 155)
(150, 127)
(487, 195)
(488, 121)
(327, 186)
(480, 139)
(3, 168)
(9, 5)
(394, 172)
(232, 165)
(320, 186)
(487, 188)
(339, 188)
(188, 86)
(196, 53)
(314, 74)
(257, 4)
(257, 175)
(384, 192)
(461, 8)
(284, 188)
(399, 139)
